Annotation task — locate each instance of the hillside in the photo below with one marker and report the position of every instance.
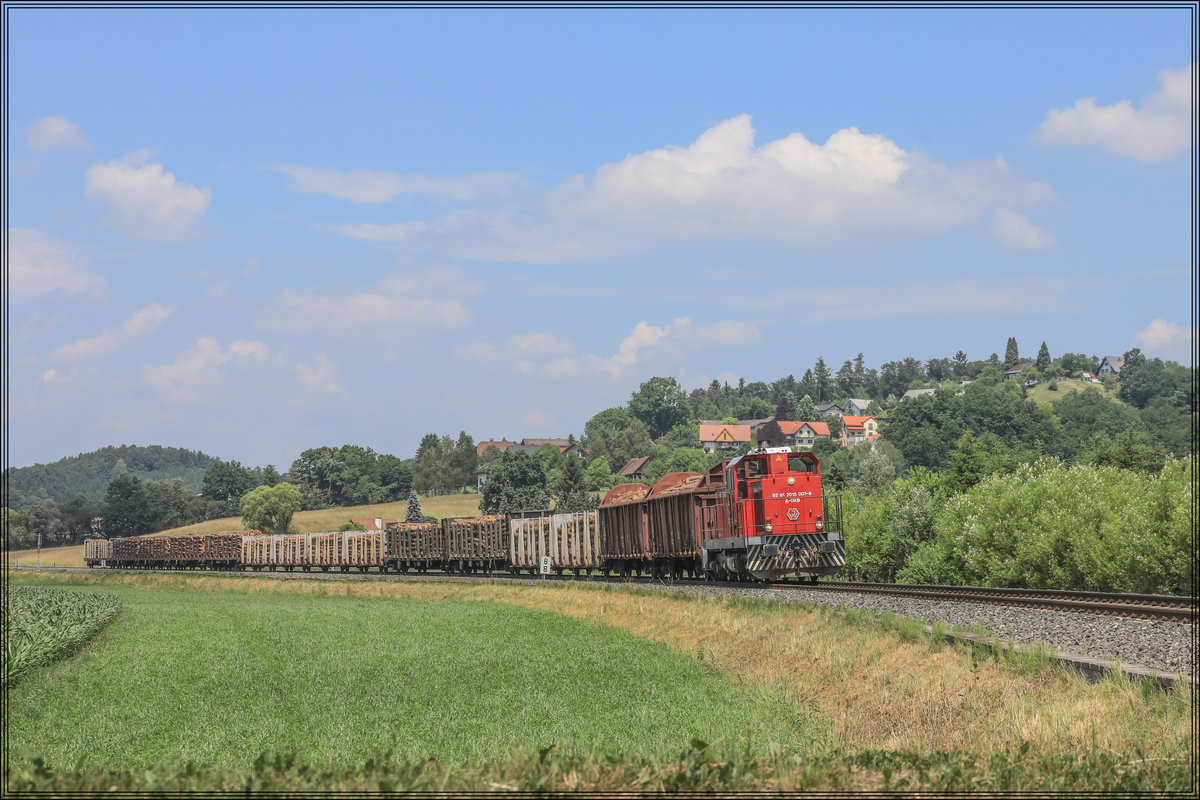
(88, 474)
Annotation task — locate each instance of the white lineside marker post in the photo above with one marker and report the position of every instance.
(545, 570)
(39, 559)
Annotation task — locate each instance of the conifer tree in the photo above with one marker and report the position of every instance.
(413, 514)
(1043, 357)
(1011, 354)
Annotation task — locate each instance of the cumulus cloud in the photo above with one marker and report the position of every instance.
(546, 355)
(1163, 339)
(520, 345)
(323, 376)
(856, 186)
(1013, 230)
(145, 200)
(54, 133)
(1158, 131)
(791, 189)
(379, 186)
(490, 235)
(39, 264)
(401, 302)
(198, 368)
(112, 339)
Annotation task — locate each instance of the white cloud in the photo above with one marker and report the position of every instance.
(1014, 231)
(112, 339)
(54, 133)
(402, 302)
(196, 367)
(490, 235)
(521, 345)
(1158, 131)
(39, 264)
(250, 349)
(322, 376)
(791, 189)
(379, 186)
(145, 200)
(1163, 339)
(545, 354)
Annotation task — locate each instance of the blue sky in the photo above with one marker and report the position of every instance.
(255, 232)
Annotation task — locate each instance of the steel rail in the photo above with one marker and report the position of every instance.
(1134, 606)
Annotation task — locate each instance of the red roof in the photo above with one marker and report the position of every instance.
(725, 433)
(501, 445)
(633, 466)
(790, 428)
(369, 524)
(855, 423)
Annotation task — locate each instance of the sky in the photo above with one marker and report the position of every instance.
(253, 232)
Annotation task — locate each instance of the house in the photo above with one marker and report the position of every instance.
(830, 410)
(481, 474)
(634, 468)
(1013, 372)
(856, 407)
(792, 434)
(916, 393)
(574, 450)
(376, 524)
(501, 445)
(529, 445)
(723, 437)
(858, 429)
(1111, 365)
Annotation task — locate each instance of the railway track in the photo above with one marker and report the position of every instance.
(1133, 606)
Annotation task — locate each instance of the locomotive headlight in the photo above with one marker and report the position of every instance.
(820, 525)
(769, 528)
(791, 480)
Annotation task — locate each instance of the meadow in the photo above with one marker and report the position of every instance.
(226, 682)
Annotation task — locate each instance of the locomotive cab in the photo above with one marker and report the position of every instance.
(784, 524)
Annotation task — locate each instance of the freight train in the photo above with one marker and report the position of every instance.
(761, 516)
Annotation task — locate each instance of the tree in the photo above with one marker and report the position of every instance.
(1043, 358)
(617, 435)
(805, 411)
(598, 476)
(126, 511)
(271, 476)
(1012, 354)
(463, 461)
(413, 512)
(571, 493)
(959, 364)
(824, 382)
(660, 404)
(514, 483)
(226, 482)
(270, 508)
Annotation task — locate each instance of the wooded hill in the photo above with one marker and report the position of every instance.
(89, 474)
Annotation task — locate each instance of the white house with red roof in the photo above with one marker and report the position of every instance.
(858, 429)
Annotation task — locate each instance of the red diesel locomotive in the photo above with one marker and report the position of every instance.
(762, 515)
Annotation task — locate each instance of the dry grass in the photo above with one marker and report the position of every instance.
(877, 690)
(328, 519)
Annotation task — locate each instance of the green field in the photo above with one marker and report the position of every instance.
(220, 677)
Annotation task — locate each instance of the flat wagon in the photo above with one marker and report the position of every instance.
(419, 546)
(476, 544)
(570, 541)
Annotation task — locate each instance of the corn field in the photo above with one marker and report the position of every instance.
(41, 625)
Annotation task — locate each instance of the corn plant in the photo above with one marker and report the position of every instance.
(41, 625)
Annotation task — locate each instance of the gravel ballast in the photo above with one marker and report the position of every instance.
(1166, 646)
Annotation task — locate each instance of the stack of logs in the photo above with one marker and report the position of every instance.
(199, 548)
(415, 541)
(476, 537)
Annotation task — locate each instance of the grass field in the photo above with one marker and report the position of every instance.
(1041, 393)
(219, 676)
(217, 669)
(452, 505)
